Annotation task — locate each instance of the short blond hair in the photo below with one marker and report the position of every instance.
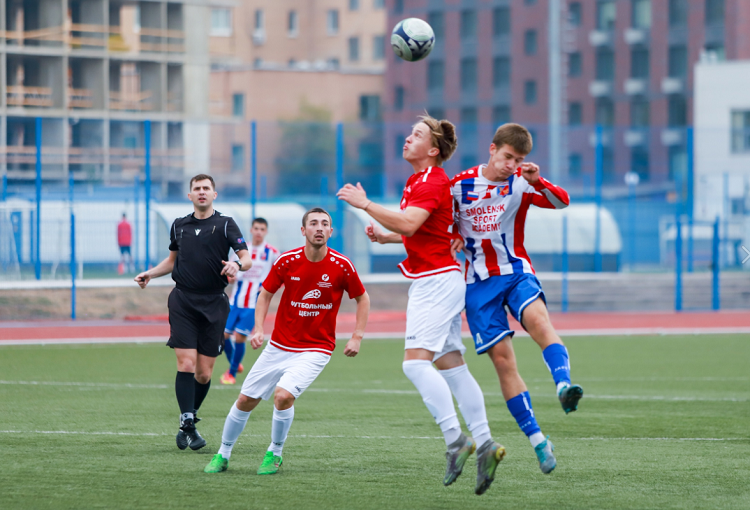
(443, 134)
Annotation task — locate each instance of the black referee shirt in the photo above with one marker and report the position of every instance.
(201, 245)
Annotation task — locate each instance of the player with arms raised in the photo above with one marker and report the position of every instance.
(303, 339)
(491, 202)
(436, 298)
(244, 296)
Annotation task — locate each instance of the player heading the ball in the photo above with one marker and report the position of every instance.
(303, 338)
(436, 298)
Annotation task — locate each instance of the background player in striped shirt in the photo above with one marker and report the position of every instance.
(436, 298)
(303, 339)
(491, 202)
(244, 295)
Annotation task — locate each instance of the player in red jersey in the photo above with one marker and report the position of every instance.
(436, 297)
(303, 337)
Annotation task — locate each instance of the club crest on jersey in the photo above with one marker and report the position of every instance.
(197, 231)
(313, 294)
(324, 277)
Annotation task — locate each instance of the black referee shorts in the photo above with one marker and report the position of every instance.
(196, 321)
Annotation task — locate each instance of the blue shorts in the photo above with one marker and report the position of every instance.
(241, 320)
(486, 301)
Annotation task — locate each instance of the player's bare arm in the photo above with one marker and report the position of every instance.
(231, 269)
(377, 235)
(363, 311)
(403, 223)
(163, 268)
(261, 310)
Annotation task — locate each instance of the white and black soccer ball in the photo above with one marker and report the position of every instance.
(412, 39)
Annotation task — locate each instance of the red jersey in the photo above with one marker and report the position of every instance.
(306, 318)
(124, 233)
(428, 251)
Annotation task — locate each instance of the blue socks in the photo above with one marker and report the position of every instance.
(520, 407)
(239, 353)
(556, 358)
(229, 349)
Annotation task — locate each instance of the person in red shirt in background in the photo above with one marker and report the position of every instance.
(436, 297)
(303, 339)
(124, 240)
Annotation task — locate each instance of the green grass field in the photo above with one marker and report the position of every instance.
(665, 424)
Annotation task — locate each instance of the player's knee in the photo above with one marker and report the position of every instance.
(283, 399)
(245, 403)
(202, 377)
(239, 339)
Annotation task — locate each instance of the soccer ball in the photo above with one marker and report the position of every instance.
(412, 39)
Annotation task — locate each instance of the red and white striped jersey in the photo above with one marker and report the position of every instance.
(491, 218)
(246, 290)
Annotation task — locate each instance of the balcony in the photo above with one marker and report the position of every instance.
(80, 98)
(600, 88)
(672, 136)
(635, 137)
(606, 137)
(635, 86)
(635, 36)
(672, 85)
(601, 38)
(131, 101)
(19, 95)
(103, 37)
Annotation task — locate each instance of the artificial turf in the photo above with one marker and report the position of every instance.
(665, 423)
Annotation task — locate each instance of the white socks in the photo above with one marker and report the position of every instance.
(436, 395)
(536, 438)
(233, 427)
(470, 401)
(282, 420)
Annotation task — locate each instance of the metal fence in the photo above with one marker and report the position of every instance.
(643, 200)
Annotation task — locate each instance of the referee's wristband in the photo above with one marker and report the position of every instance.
(239, 264)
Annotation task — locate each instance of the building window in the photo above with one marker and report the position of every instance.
(605, 16)
(353, 5)
(677, 162)
(677, 111)
(398, 6)
(501, 71)
(436, 113)
(716, 52)
(714, 12)
(378, 4)
(221, 22)
(529, 42)
(741, 131)
(500, 114)
(332, 21)
(639, 162)
(575, 165)
(640, 113)
(678, 13)
(369, 107)
(639, 63)
(238, 105)
(678, 61)
(605, 64)
(293, 24)
(468, 24)
(469, 119)
(436, 20)
(398, 98)
(529, 2)
(468, 74)
(605, 112)
(334, 62)
(575, 114)
(500, 21)
(574, 64)
(435, 75)
(529, 92)
(574, 14)
(238, 158)
(641, 17)
(398, 146)
(259, 19)
(378, 47)
(354, 49)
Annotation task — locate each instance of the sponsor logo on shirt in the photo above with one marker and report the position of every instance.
(312, 306)
(313, 294)
(197, 231)
(324, 277)
(240, 240)
(295, 278)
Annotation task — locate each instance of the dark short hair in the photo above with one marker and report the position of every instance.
(203, 177)
(515, 135)
(260, 220)
(315, 210)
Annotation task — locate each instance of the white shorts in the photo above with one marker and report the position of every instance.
(433, 314)
(293, 371)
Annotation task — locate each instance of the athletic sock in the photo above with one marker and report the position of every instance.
(229, 349)
(233, 427)
(520, 407)
(282, 421)
(184, 388)
(436, 395)
(470, 401)
(201, 390)
(239, 353)
(556, 358)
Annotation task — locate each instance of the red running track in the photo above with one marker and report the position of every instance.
(388, 324)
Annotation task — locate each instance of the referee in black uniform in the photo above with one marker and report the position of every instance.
(198, 307)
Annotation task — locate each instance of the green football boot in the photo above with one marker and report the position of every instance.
(457, 454)
(547, 460)
(489, 456)
(270, 465)
(217, 464)
(569, 397)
